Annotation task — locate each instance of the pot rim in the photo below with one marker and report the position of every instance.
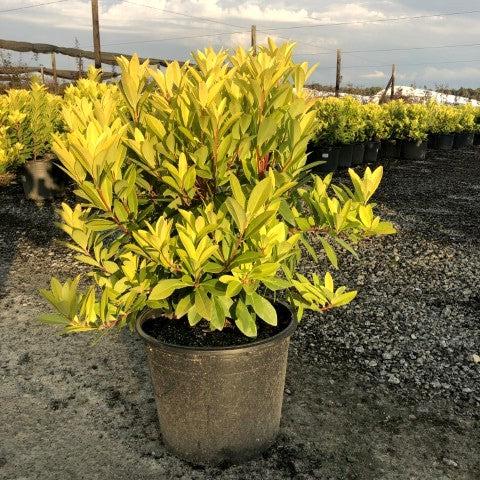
(151, 313)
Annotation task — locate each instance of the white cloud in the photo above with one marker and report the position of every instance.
(374, 74)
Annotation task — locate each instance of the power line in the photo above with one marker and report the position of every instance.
(31, 6)
(401, 49)
(378, 20)
(167, 39)
(409, 64)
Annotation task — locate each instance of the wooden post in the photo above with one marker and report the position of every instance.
(96, 34)
(254, 39)
(392, 80)
(338, 78)
(42, 73)
(54, 72)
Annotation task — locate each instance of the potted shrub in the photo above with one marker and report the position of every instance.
(476, 140)
(337, 126)
(414, 132)
(193, 206)
(466, 126)
(394, 112)
(375, 130)
(444, 119)
(11, 154)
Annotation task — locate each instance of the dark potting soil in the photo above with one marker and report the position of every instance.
(179, 332)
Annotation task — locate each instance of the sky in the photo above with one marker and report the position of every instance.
(156, 28)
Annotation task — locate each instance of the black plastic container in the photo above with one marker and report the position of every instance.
(463, 140)
(219, 405)
(345, 154)
(41, 180)
(414, 149)
(358, 152)
(371, 152)
(442, 141)
(476, 139)
(390, 149)
(324, 153)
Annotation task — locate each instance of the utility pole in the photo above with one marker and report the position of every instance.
(392, 86)
(338, 78)
(96, 34)
(54, 72)
(254, 39)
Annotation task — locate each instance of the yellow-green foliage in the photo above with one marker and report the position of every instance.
(194, 200)
(375, 117)
(28, 120)
(466, 120)
(407, 121)
(444, 118)
(339, 121)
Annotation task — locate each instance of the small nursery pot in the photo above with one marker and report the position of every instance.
(463, 140)
(327, 154)
(390, 149)
(414, 149)
(358, 152)
(443, 141)
(219, 405)
(41, 179)
(371, 152)
(345, 155)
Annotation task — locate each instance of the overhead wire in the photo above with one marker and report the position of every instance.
(25, 7)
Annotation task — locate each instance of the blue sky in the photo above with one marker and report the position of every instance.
(131, 28)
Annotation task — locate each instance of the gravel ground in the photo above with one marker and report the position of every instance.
(386, 388)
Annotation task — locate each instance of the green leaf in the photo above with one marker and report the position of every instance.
(53, 319)
(244, 321)
(343, 299)
(263, 308)
(330, 252)
(203, 304)
(165, 288)
(217, 320)
(276, 283)
(267, 128)
(259, 196)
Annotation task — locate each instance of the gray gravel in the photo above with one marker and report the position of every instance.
(386, 388)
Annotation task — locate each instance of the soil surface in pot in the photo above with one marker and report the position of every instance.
(384, 389)
(179, 332)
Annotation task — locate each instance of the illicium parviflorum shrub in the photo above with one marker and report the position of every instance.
(196, 199)
(374, 117)
(444, 118)
(339, 121)
(407, 121)
(466, 119)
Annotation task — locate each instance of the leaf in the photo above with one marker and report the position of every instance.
(165, 288)
(244, 321)
(263, 308)
(53, 319)
(329, 282)
(217, 320)
(258, 196)
(203, 304)
(343, 299)
(276, 283)
(330, 252)
(266, 130)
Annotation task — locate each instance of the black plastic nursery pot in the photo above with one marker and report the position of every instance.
(476, 139)
(358, 152)
(463, 140)
(219, 405)
(345, 156)
(390, 149)
(41, 180)
(327, 154)
(414, 149)
(371, 152)
(442, 141)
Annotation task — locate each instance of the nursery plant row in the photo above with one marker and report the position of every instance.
(351, 133)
